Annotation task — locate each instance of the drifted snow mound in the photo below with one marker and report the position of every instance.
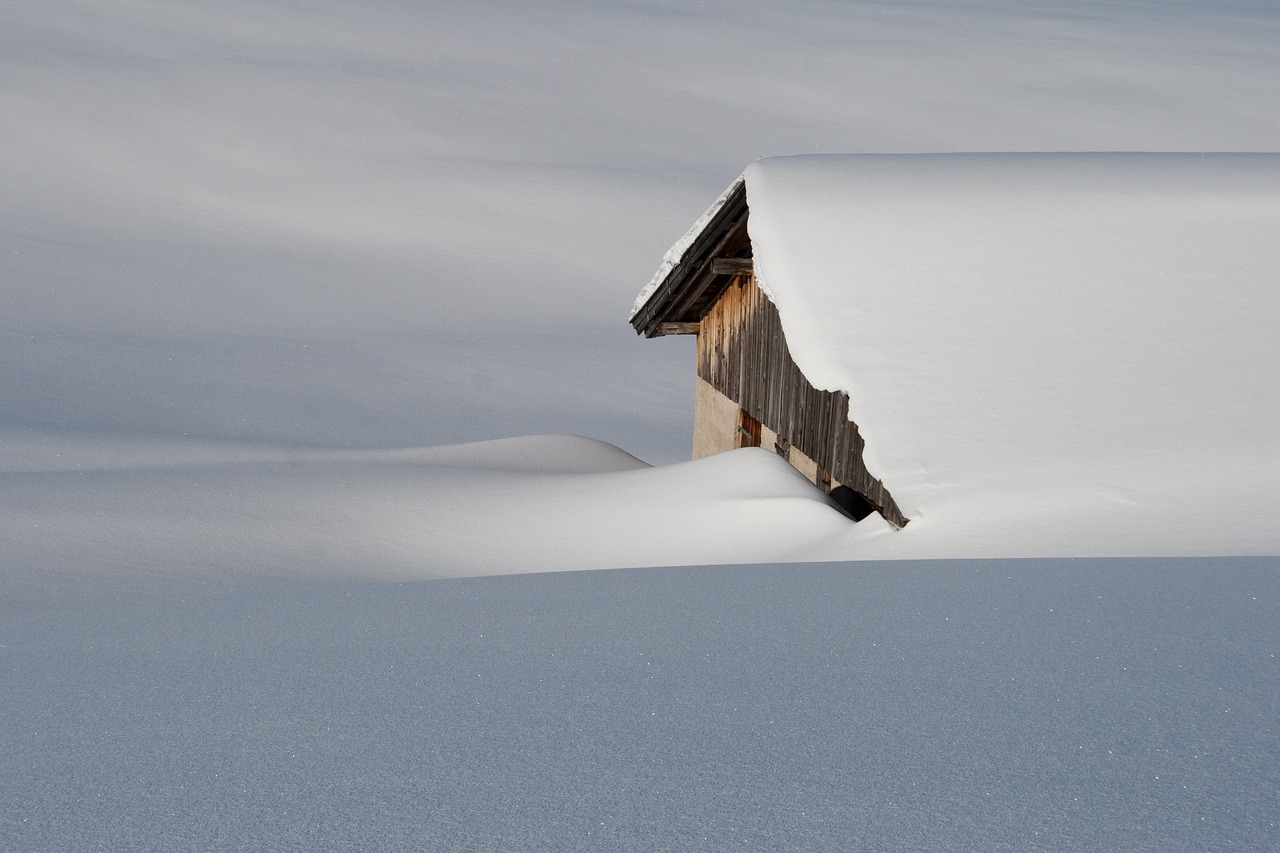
(1047, 354)
(542, 454)
(545, 503)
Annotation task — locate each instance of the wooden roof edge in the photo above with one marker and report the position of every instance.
(688, 281)
(889, 510)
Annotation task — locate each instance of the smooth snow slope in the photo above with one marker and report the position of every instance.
(145, 524)
(1082, 705)
(1047, 354)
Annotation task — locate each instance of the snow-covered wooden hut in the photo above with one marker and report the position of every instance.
(991, 334)
(749, 391)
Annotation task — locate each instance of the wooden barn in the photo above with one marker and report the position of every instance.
(750, 393)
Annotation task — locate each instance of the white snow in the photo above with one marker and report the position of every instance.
(536, 504)
(943, 705)
(1047, 354)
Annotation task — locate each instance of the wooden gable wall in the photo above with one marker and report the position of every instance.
(742, 353)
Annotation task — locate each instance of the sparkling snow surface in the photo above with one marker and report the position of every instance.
(947, 705)
(1040, 345)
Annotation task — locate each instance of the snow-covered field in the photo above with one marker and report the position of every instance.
(963, 705)
(260, 261)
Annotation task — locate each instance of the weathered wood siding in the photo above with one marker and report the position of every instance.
(742, 353)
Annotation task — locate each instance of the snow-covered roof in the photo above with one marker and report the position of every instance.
(1036, 342)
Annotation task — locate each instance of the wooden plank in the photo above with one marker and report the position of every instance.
(732, 266)
(691, 287)
(677, 329)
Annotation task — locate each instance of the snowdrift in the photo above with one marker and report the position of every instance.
(1047, 354)
(544, 503)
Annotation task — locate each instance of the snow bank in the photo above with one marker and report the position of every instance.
(1048, 354)
(545, 503)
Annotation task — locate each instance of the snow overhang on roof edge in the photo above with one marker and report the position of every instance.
(672, 258)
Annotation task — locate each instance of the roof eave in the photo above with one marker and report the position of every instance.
(692, 285)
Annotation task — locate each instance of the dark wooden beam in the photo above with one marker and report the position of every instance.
(684, 293)
(732, 266)
(698, 286)
(677, 329)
